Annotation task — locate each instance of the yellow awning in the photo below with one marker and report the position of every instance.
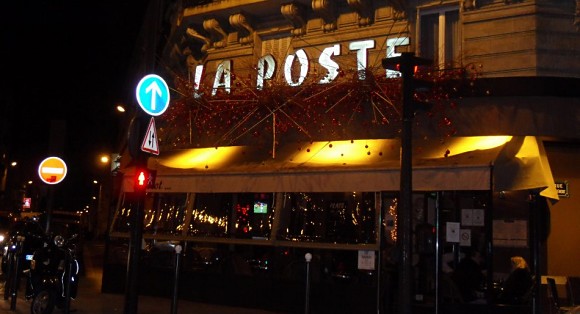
(500, 163)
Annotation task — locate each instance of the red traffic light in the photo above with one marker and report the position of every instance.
(141, 179)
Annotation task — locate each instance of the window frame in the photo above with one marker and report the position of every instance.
(441, 10)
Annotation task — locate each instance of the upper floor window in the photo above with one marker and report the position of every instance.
(440, 35)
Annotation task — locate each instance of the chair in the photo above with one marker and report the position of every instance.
(554, 299)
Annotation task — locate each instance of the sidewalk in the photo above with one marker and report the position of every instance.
(90, 300)
(103, 303)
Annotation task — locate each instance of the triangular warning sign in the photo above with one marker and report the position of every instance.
(150, 144)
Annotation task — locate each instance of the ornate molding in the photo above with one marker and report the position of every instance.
(326, 10)
(295, 14)
(469, 5)
(364, 9)
(399, 8)
(197, 36)
(245, 30)
(213, 27)
(399, 5)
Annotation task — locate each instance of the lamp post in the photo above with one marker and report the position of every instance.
(98, 214)
(4, 179)
(406, 64)
(94, 215)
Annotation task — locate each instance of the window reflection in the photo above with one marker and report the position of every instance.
(329, 217)
(165, 213)
(239, 215)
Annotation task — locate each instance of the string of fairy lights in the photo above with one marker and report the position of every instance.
(349, 108)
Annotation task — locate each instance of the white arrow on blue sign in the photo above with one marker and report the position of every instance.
(153, 94)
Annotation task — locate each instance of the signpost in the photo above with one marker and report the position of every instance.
(52, 170)
(150, 143)
(153, 94)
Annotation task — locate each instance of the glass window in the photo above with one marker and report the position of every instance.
(164, 213)
(240, 215)
(328, 217)
(440, 38)
(122, 221)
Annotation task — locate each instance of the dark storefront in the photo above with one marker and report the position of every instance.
(246, 230)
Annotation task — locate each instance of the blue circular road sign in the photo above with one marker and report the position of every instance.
(153, 94)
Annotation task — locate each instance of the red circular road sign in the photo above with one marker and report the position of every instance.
(52, 170)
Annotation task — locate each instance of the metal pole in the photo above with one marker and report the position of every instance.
(535, 240)
(380, 257)
(308, 258)
(16, 273)
(132, 287)
(69, 262)
(437, 251)
(153, 19)
(406, 62)
(9, 271)
(178, 249)
(406, 184)
(49, 204)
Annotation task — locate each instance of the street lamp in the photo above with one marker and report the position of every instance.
(93, 215)
(99, 216)
(4, 179)
(5, 175)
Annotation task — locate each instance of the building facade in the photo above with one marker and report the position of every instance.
(282, 138)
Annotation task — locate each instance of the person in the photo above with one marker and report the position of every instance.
(469, 275)
(518, 283)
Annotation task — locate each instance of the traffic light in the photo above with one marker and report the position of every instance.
(419, 89)
(141, 179)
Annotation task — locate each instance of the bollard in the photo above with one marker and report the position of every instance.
(68, 279)
(9, 267)
(16, 273)
(178, 249)
(308, 258)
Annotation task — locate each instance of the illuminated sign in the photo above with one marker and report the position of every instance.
(26, 203)
(267, 65)
(152, 94)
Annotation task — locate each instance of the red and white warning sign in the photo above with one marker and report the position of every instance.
(52, 170)
(150, 143)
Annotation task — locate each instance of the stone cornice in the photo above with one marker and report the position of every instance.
(326, 10)
(295, 14)
(364, 9)
(244, 27)
(213, 26)
(206, 42)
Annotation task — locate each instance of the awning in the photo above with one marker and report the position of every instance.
(458, 163)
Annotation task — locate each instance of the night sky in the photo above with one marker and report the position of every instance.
(67, 61)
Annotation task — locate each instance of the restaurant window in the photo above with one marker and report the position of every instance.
(237, 215)
(163, 213)
(328, 217)
(440, 35)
